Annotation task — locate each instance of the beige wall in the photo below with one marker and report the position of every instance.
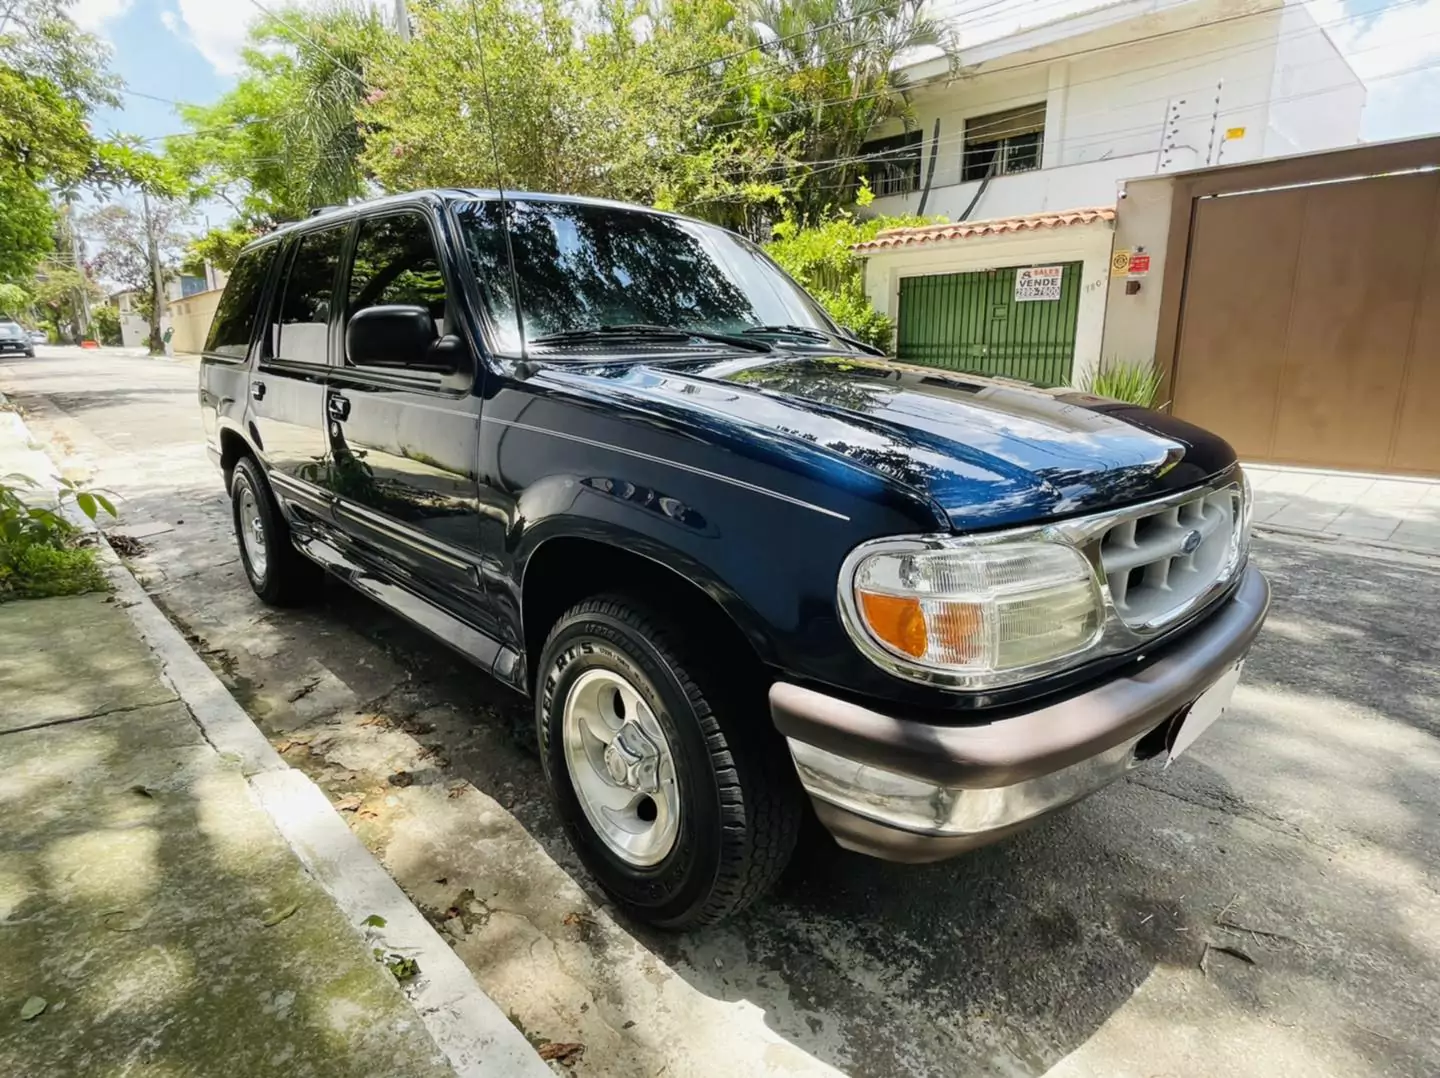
(191, 318)
(1088, 244)
(1142, 225)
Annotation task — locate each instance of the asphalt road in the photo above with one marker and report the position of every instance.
(1268, 906)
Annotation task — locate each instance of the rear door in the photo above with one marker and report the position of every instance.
(403, 442)
(287, 388)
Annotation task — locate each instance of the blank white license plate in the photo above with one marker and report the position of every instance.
(1204, 711)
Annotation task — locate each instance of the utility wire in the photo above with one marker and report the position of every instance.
(1368, 14)
(306, 37)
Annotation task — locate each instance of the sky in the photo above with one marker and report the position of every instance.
(189, 50)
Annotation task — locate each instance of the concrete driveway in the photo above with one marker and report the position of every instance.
(1268, 906)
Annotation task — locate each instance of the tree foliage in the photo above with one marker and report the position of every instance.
(56, 287)
(822, 259)
(286, 139)
(219, 246)
(14, 301)
(27, 226)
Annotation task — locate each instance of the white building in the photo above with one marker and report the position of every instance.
(1056, 116)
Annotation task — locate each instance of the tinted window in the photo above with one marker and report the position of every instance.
(302, 329)
(581, 266)
(396, 263)
(234, 322)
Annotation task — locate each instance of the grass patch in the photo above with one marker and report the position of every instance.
(41, 572)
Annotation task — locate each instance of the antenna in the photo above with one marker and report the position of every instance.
(499, 177)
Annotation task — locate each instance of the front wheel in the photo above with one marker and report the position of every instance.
(277, 572)
(682, 812)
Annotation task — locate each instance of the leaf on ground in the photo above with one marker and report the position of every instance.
(271, 920)
(375, 921)
(374, 720)
(350, 802)
(456, 791)
(566, 1054)
(33, 1007)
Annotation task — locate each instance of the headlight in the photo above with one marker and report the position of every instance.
(971, 614)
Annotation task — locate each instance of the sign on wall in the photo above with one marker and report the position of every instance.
(1038, 283)
(1139, 265)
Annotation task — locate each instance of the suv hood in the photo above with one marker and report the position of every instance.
(985, 452)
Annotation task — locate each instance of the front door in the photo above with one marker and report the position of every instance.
(287, 387)
(404, 442)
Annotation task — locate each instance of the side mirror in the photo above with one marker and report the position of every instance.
(400, 336)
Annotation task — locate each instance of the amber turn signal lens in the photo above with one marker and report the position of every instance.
(897, 620)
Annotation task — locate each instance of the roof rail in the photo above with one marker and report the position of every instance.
(318, 210)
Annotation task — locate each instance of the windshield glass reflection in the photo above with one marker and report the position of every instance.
(581, 266)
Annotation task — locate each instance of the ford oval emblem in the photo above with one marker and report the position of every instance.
(1191, 542)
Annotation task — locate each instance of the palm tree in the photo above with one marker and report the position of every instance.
(836, 61)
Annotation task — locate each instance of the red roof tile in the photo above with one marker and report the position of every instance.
(910, 237)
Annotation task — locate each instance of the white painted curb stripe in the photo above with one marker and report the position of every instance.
(466, 1025)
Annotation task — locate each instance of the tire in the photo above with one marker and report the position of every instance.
(739, 803)
(279, 574)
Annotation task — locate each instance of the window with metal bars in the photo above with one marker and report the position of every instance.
(1001, 143)
(892, 165)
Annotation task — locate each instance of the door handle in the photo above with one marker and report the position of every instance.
(338, 407)
(257, 390)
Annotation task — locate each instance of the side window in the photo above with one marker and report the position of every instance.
(234, 322)
(396, 263)
(300, 328)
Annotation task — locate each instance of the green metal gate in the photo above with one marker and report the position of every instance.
(972, 322)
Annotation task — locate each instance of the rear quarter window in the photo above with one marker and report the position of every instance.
(234, 324)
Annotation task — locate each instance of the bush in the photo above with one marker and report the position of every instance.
(1133, 383)
(820, 258)
(39, 552)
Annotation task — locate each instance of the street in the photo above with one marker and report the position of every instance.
(1270, 905)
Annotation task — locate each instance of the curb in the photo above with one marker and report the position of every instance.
(472, 1032)
(1346, 540)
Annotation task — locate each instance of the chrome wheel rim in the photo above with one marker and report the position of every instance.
(252, 532)
(621, 767)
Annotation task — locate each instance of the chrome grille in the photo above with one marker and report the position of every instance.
(1159, 562)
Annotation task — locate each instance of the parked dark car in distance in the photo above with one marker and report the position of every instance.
(742, 565)
(14, 339)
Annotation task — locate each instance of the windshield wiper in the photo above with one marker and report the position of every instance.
(644, 330)
(789, 331)
(810, 334)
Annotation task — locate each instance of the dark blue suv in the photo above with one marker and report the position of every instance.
(744, 567)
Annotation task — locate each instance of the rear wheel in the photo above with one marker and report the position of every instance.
(683, 813)
(278, 573)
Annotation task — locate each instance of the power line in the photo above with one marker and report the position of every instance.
(1100, 137)
(306, 37)
(1023, 99)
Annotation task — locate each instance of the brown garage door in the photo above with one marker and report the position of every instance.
(1310, 327)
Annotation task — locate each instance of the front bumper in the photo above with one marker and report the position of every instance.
(907, 790)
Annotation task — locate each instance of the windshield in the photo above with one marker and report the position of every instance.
(11, 330)
(580, 267)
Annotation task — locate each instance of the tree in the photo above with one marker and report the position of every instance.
(821, 257)
(56, 289)
(286, 140)
(139, 248)
(833, 66)
(14, 301)
(27, 226)
(105, 320)
(219, 246)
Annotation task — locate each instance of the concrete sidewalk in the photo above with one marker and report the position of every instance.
(147, 899)
(1388, 510)
(175, 899)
